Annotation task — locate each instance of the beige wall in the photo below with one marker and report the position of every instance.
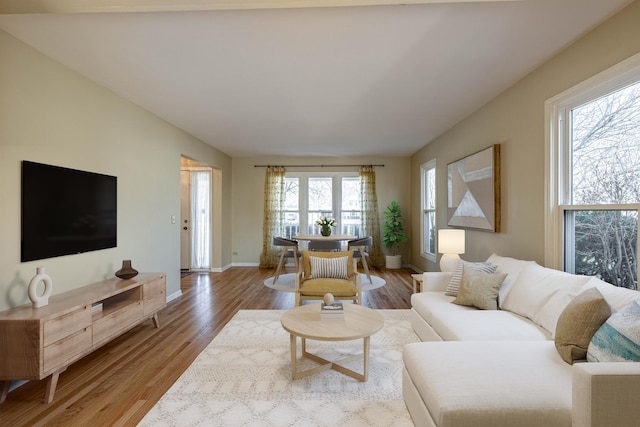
(50, 114)
(515, 119)
(392, 183)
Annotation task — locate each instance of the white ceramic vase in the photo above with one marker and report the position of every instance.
(40, 300)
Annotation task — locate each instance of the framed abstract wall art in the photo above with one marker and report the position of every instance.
(473, 196)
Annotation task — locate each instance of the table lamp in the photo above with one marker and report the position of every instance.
(450, 244)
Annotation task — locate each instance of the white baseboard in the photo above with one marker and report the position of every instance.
(245, 264)
(176, 294)
(414, 268)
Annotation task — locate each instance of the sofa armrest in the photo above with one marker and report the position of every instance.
(606, 394)
(435, 281)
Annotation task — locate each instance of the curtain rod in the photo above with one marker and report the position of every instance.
(314, 166)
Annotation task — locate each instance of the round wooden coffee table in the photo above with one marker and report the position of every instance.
(304, 322)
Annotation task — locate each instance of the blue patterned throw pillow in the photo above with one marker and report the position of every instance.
(618, 339)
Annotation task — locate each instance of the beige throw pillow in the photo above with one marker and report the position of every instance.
(456, 277)
(577, 324)
(479, 289)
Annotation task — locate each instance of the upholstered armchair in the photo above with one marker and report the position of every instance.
(328, 272)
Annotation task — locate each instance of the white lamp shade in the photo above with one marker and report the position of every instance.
(451, 241)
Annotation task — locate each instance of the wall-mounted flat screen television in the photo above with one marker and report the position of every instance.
(66, 211)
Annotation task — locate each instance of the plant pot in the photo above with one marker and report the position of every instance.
(393, 261)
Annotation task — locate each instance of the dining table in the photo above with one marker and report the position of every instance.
(320, 237)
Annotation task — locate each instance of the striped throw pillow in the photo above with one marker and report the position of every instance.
(456, 278)
(335, 268)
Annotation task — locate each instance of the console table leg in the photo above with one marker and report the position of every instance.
(4, 390)
(156, 322)
(52, 382)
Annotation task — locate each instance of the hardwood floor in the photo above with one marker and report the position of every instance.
(117, 384)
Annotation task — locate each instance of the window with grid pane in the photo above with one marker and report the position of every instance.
(597, 160)
(291, 207)
(351, 206)
(428, 223)
(309, 196)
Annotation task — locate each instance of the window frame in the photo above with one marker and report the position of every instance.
(558, 152)
(425, 168)
(336, 194)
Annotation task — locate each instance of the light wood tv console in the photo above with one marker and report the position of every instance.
(36, 343)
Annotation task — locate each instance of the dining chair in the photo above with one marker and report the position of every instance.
(325, 245)
(320, 273)
(289, 250)
(357, 246)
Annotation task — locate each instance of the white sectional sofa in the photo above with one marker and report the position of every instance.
(499, 368)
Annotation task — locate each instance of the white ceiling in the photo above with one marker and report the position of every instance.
(323, 81)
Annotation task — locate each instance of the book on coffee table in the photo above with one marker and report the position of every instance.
(334, 311)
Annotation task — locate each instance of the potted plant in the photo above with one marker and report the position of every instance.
(325, 225)
(393, 234)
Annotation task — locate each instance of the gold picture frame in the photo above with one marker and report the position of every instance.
(473, 195)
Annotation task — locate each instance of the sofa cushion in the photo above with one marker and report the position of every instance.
(512, 267)
(616, 297)
(322, 286)
(456, 278)
(541, 294)
(485, 384)
(427, 303)
(479, 289)
(618, 339)
(578, 323)
(487, 325)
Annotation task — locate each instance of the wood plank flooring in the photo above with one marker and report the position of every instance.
(119, 383)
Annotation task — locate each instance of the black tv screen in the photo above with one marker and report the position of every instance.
(66, 211)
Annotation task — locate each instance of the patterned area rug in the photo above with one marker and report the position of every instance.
(243, 378)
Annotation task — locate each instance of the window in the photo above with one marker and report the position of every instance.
(594, 176)
(351, 206)
(319, 201)
(309, 196)
(291, 207)
(428, 196)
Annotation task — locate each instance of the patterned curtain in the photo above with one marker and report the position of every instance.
(273, 222)
(370, 218)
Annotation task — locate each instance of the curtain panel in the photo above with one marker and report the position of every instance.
(200, 219)
(273, 222)
(370, 217)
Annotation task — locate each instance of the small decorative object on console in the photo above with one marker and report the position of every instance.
(96, 307)
(328, 298)
(126, 272)
(40, 300)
